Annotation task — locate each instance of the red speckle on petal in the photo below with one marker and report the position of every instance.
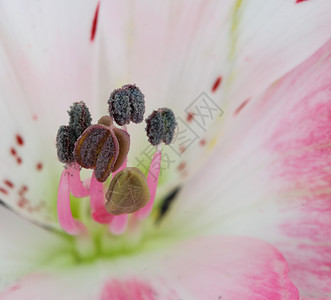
(23, 190)
(13, 151)
(298, 1)
(202, 142)
(182, 149)
(34, 117)
(240, 107)
(19, 160)
(8, 183)
(181, 166)
(22, 202)
(4, 191)
(216, 84)
(95, 22)
(189, 117)
(39, 166)
(19, 140)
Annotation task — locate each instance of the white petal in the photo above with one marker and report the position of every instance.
(25, 247)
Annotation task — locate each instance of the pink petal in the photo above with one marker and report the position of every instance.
(76, 186)
(66, 220)
(203, 268)
(270, 176)
(152, 180)
(118, 224)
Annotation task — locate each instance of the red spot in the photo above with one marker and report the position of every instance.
(8, 183)
(19, 160)
(4, 191)
(240, 107)
(95, 22)
(23, 190)
(216, 84)
(182, 149)
(39, 166)
(298, 1)
(202, 142)
(22, 202)
(181, 166)
(13, 151)
(34, 117)
(19, 140)
(189, 117)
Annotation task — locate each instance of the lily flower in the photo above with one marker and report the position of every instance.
(242, 201)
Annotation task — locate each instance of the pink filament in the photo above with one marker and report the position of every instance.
(76, 186)
(118, 224)
(152, 180)
(97, 201)
(66, 220)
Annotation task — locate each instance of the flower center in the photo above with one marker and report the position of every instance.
(128, 200)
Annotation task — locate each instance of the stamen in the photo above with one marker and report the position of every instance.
(123, 139)
(161, 126)
(170, 124)
(127, 193)
(77, 188)
(80, 118)
(155, 128)
(119, 106)
(118, 224)
(66, 220)
(127, 103)
(65, 141)
(97, 202)
(152, 180)
(137, 103)
(97, 148)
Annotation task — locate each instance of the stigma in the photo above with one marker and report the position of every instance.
(103, 148)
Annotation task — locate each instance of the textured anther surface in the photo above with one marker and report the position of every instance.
(67, 135)
(170, 124)
(137, 103)
(127, 103)
(97, 148)
(65, 142)
(119, 106)
(161, 126)
(128, 192)
(80, 118)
